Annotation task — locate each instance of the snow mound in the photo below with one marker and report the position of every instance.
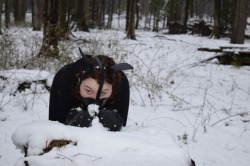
(95, 146)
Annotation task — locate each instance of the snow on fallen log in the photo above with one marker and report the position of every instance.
(145, 146)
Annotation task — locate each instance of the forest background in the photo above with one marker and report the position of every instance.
(58, 18)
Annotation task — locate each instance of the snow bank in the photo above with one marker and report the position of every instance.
(97, 146)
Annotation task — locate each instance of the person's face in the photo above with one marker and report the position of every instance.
(89, 88)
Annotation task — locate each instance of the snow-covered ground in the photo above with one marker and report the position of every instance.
(180, 108)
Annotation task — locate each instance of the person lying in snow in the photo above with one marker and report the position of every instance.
(92, 80)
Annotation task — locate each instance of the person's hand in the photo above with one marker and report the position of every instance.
(79, 118)
(110, 119)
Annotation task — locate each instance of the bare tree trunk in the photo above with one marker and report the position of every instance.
(127, 15)
(37, 14)
(239, 24)
(179, 11)
(80, 16)
(186, 15)
(7, 13)
(19, 11)
(87, 9)
(199, 8)
(63, 28)
(131, 26)
(69, 9)
(172, 6)
(50, 36)
(72, 12)
(145, 12)
(1, 6)
(155, 28)
(94, 12)
(156, 7)
(191, 8)
(217, 17)
(101, 14)
(110, 13)
(137, 14)
(227, 15)
(119, 12)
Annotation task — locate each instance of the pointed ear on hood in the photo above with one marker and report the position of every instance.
(86, 60)
(113, 69)
(119, 67)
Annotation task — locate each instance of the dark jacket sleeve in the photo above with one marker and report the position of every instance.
(122, 101)
(59, 105)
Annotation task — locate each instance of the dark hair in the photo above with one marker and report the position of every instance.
(113, 79)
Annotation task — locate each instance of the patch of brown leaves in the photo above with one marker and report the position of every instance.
(57, 143)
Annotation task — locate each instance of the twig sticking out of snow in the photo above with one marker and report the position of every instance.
(64, 157)
(96, 158)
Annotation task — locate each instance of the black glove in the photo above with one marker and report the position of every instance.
(110, 119)
(79, 118)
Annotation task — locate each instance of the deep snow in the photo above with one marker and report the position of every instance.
(180, 108)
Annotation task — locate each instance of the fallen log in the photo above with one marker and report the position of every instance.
(229, 55)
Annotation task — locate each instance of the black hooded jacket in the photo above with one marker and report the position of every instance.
(62, 100)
